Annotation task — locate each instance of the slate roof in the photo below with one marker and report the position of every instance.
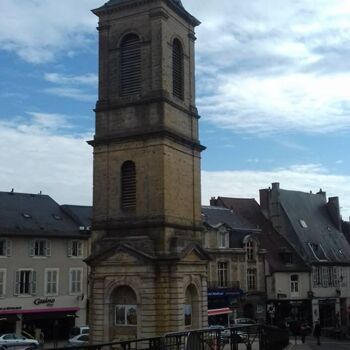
(319, 230)
(270, 239)
(24, 214)
(237, 225)
(81, 214)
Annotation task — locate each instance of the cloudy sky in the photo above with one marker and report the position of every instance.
(273, 91)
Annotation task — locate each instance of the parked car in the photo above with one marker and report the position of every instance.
(226, 334)
(243, 322)
(81, 339)
(79, 330)
(13, 340)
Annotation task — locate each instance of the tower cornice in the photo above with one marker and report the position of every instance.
(125, 4)
(142, 135)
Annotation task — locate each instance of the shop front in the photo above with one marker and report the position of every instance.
(226, 299)
(53, 317)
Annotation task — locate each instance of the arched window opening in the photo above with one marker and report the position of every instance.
(191, 307)
(125, 306)
(128, 182)
(130, 65)
(178, 70)
(250, 250)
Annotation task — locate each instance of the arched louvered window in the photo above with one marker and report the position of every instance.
(128, 182)
(178, 69)
(130, 65)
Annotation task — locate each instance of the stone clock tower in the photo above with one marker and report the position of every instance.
(148, 271)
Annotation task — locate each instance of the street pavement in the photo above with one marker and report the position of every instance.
(326, 344)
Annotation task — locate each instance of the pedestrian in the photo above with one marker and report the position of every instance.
(317, 332)
(303, 331)
(41, 338)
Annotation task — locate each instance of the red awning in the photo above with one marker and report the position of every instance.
(223, 311)
(36, 311)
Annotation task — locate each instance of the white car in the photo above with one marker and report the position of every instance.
(13, 340)
(81, 339)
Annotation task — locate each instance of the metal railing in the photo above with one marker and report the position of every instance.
(234, 338)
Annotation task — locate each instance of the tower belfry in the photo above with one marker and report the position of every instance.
(148, 271)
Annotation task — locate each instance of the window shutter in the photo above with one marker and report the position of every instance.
(8, 247)
(80, 248)
(33, 282)
(69, 248)
(2, 282)
(32, 248)
(128, 185)
(17, 282)
(130, 65)
(178, 70)
(48, 247)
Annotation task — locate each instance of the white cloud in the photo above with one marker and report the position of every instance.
(267, 68)
(39, 30)
(86, 79)
(305, 177)
(37, 158)
(72, 93)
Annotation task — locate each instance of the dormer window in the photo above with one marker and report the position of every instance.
(318, 251)
(26, 216)
(223, 239)
(250, 248)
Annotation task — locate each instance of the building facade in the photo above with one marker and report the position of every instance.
(312, 224)
(43, 279)
(287, 275)
(148, 271)
(236, 272)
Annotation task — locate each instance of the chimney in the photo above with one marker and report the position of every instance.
(213, 201)
(334, 211)
(264, 200)
(322, 193)
(275, 186)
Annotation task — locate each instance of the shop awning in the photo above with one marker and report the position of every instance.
(223, 311)
(38, 311)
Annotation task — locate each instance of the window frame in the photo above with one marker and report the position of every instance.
(3, 273)
(252, 279)
(71, 271)
(71, 248)
(223, 273)
(32, 282)
(35, 248)
(56, 282)
(7, 248)
(126, 307)
(223, 239)
(294, 285)
(250, 249)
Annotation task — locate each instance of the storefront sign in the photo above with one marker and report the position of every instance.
(10, 308)
(47, 301)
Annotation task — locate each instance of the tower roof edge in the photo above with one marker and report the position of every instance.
(175, 4)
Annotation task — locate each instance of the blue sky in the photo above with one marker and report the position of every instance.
(272, 89)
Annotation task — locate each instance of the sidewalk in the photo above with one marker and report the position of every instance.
(298, 346)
